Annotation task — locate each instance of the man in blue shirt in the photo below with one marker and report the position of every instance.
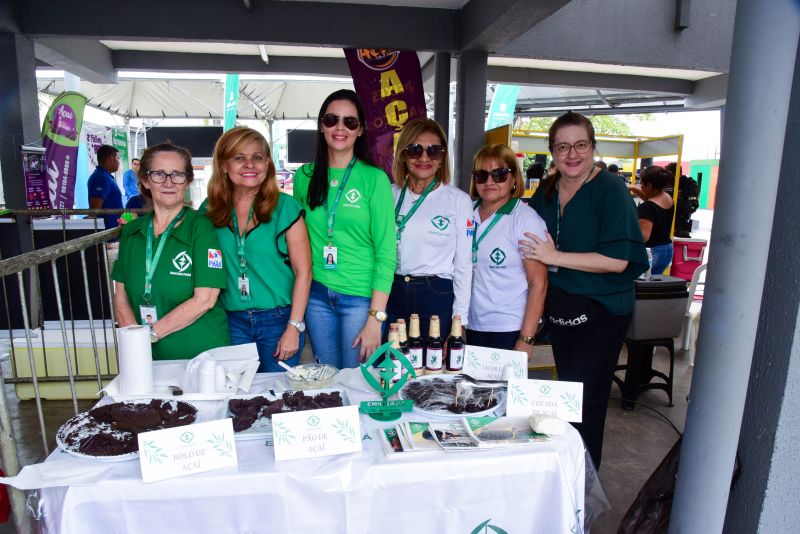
(130, 182)
(103, 189)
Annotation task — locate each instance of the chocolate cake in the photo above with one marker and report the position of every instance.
(247, 411)
(111, 430)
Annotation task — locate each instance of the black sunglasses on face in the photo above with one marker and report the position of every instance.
(329, 120)
(498, 175)
(415, 150)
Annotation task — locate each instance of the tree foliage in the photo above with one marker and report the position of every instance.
(603, 124)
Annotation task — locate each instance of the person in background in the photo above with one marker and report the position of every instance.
(508, 291)
(130, 183)
(655, 214)
(600, 164)
(263, 234)
(533, 177)
(594, 251)
(350, 219)
(434, 218)
(614, 169)
(136, 202)
(551, 169)
(170, 265)
(103, 190)
(687, 200)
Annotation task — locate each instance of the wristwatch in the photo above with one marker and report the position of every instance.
(300, 325)
(527, 339)
(378, 314)
(153, 336)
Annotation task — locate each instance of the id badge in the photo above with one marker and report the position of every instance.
(244, 288)
(148, 314)
(329, 257)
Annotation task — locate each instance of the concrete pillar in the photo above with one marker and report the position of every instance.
(470, 112)
(441, 91)
(756, 113)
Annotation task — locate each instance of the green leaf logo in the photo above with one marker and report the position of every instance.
(544, 389)
(495, 356)
(353, 196)
(313, 420)
(497, 256)
(486, 527)
(187, 437)
(440, 222)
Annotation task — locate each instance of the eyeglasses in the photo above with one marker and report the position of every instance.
(159, 177)
(329, 120)
(415, 150)
(581, 147)
(498, 175)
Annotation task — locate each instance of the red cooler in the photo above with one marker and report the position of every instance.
(687, 256)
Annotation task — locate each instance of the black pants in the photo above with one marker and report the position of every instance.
(495, 340)
(588, 353)
(426, 296)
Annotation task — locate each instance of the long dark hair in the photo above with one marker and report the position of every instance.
(569, 118)
(318, 185)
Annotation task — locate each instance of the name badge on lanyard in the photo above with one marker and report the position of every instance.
(330, 254)
(243, 282)
(148, 314)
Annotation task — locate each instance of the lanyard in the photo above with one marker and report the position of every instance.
(558, 206)
(332, 213)
(151, 261)
(504, 210)
(241, 238)
(401, 220)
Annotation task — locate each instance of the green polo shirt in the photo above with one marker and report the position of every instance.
(602, 218)
(268, 267)
(190, 259)
(364, 231)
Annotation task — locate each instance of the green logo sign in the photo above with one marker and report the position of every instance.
(353, 196)
(495, 356)
(441, 223)
(497, 256)
(187, 437)
(313, 420)
(544, 389)
(486, 527)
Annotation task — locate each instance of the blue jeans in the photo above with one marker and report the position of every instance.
(264, 328)
(662, 256)
(426, 296)
(334, 321)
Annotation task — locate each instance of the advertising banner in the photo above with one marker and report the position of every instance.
(504, 102)
(119, 138)
(231, 101)
(60, 137)
(389, 84)
(33, 167)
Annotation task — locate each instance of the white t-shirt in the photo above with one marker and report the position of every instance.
(499, 283)
(437, 240)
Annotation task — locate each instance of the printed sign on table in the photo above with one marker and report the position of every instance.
(184, 450)
(545, 397)
(484, 363)
(316, 433)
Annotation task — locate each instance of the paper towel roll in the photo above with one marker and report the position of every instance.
(135, 360)
(207, 377)
(220, 378)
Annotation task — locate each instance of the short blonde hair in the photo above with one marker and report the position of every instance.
(507, 157)
(411, 131)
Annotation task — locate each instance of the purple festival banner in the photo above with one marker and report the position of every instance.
(60, 138)
(389, 84)
(33, 168)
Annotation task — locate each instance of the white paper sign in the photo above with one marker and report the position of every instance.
(184, 450)
(485, 363)
(547, 397)
(315, 433)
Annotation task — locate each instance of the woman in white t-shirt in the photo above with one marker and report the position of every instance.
(507, 291)
(434, 221)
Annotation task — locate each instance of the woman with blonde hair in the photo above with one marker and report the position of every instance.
(263, 234)
(434, 270)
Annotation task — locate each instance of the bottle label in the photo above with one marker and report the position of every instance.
(456, 361)
(434, 362)
(415, 356)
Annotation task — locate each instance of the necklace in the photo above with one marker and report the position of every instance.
(485, 211)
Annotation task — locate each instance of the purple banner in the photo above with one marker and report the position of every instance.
(389, 84)
(60, 138)
(33, 167)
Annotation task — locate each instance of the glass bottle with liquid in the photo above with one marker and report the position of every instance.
(434, 348)
(455, 347)
(415, 351)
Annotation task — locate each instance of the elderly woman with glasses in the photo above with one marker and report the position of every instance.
(350, 219)
(507, 290)
(169, 271)
(594, 251)
(434, 270)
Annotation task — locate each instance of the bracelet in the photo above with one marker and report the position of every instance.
(527, 339)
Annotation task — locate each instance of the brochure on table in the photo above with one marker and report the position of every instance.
(184, 450)
(315, 433)
(547, 397)
(485, 363)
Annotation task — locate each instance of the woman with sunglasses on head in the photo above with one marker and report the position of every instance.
(169, 271)
(507, 290)
(350, 219)
(594, 251)
(434, 270)
(263, 235)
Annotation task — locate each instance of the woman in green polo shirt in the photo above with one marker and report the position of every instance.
(350, 218)
(594, 251)
(263, 235)
(169, 270)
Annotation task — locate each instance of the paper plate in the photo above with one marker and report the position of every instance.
(443, 413)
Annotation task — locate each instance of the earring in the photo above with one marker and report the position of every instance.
(513, 188)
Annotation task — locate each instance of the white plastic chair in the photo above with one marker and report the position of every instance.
(693, 307)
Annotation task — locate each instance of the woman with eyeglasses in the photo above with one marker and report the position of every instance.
(265, 240)
(169, 271)
(594, 251)
(350, 219)
(507, 290)
(434, 270)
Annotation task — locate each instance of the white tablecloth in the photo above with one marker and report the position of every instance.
(534, 488)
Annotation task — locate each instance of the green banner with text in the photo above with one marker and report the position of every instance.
(231, 101)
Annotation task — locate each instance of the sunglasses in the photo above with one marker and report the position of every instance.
(329, 120)
(498, 175)
(415, 150)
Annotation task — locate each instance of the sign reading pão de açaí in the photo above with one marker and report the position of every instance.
(185, 450)
(545, 397)
(316, 433)
(485, 363)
